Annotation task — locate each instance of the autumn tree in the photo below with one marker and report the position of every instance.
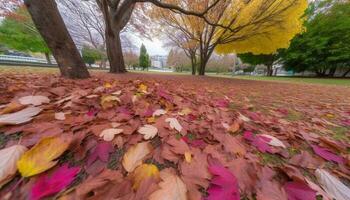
(50, 25)
(256, 26)
(178, 61)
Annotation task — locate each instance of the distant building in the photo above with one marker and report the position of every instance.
(158, 61)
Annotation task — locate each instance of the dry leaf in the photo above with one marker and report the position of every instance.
(20, 117)
(60, 116)
(143, 172)
(8, 160)
(41, 157)
(148, 131)
(11, 107)
(135, 154)
(109, 101)
(274, 141)
(171, 187)
(33, 100)
(185, 111)
(159, 112)
(108, 134)
(188, 156)
(334, 187)
(174, 124)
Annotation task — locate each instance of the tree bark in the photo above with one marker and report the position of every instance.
(47, 56)
(332, 71)
(50, 25)
(193, 64)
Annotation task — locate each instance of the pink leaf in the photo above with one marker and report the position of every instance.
(47, 185)
(198, 143)
(165, 95)
(327, 154)
(346, 122)
(222, 103)
(92, 112)
(224, 185)
(299, 191)
(101, 152)
(260, 142)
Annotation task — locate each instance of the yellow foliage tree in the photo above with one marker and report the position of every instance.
(234, 26)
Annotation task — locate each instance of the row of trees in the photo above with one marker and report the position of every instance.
(200, 26)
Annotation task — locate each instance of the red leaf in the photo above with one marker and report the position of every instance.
(299, 191)
(260, 142)
(48, 185)
(327, 154)
(224, 185)
(101, 152)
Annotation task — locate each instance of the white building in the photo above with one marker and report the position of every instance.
(158, 61)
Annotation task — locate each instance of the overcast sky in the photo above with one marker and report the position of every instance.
(154, 47)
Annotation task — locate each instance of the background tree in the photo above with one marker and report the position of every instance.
(131, 59)
(17, 31)
(91, 55)
(323, 47)
(50, 25)
(178, 61)
(257, 26)
(262, 59)
(143, 58)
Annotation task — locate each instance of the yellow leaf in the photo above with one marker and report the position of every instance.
(143, 172)
(135, 154)
(171, 187)
(41, 157)
(151, 120)
(109, 101)
(107, 85)
(11, 107)
(188, 157)
(142, 88)
(185, 111)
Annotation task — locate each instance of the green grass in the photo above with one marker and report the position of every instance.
(325, 81)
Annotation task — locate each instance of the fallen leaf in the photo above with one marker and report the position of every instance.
(20, 117)
(274, 141)
(174, 124)
(101, 152)
(107, 85)
(143, 88)
(327, 154)
(143, 172)
(333, 186)
(158, 112)
(47, 185)
(148, 131)
(33, 100)
(224, 185)
(109, 101)
(188, 157)
(11, 107)
(108, 134)
(171, 188)
(41, 157)
(135, 154)
(299, 191)
(185, 111)
(60, 116)
(259, 142)
(8, 160)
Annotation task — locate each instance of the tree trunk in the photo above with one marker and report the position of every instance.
(346, 73)
(332, 71)
(193, 65)
(47, 56)
(115, 53)
(269, 70)
(202, 66)
(50, 25)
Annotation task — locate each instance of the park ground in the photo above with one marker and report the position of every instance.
(217, 115)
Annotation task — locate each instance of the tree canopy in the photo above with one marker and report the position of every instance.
(325, 45)
(17, 31)
(144, 57)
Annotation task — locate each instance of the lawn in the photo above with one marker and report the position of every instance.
(118, 132)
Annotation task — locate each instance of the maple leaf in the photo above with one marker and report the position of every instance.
(108, 134)
(144, 172)
(60, 116)
(20, 117)
(259, 142)
(299, 191)
(224, 185)
(327, 154)
(174, 124)
(41, 157)
(109, 101)
(158, 112)
(171, 187)
(47, 185)
(101, 152)
(8, 159)
(135, 154)
(273, 141)
(33, 100)
(148, 131)
(332, 185)
(142, 88)
(11, 107)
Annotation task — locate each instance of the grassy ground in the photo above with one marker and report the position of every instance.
(325, 81)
